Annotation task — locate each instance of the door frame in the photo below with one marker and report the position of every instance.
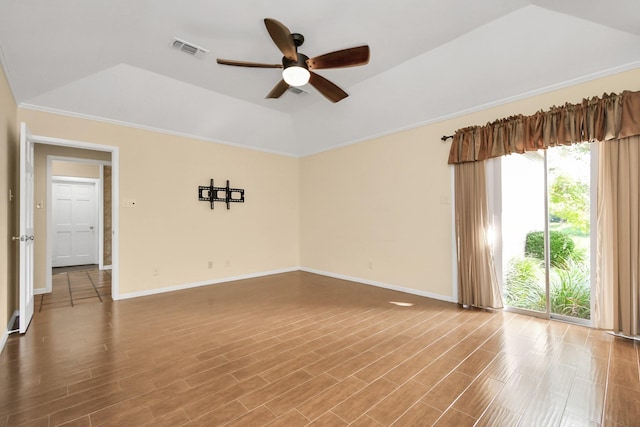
(98, 188)
(115, 191)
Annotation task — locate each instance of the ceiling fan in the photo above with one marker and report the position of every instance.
(298, 67)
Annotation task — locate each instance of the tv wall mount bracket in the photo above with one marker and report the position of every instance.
(226, 194)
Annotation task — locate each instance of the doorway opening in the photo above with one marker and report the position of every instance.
(32, 255)
(90, 238)
(78, 214)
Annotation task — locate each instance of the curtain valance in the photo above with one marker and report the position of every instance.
(596, 119)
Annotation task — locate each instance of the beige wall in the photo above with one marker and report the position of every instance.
(8, 249)
(172, 232)
(380, 210)
(75, 169)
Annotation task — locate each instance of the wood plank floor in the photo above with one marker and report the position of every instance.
(299, 349)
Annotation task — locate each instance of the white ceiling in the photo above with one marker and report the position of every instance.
(430, 60)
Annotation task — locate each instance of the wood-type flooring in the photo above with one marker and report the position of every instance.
(298, 349)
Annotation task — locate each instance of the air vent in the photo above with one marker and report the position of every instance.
(187, 47)
(297, 90)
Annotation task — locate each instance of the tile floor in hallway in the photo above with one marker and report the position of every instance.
(76, 285)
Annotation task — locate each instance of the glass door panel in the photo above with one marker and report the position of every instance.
(523, 222)
(569, 201)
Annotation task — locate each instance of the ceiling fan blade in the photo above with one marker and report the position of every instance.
(246, 63)
(278, 89)
(330, 91)
(341, 58)
(281, 36)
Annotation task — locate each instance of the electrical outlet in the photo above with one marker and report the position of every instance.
(156, 271)
(370, 265)
(210, 264)
(227, 263)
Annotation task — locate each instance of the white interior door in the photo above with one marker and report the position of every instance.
(74, 223)
(26, 228)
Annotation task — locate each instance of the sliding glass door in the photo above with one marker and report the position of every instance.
(544, 207)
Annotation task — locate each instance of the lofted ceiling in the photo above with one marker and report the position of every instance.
(430, 59)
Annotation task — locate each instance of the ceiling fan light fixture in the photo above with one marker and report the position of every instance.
(296, 75)
(296, 65)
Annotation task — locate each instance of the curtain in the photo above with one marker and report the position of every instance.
(595, 119)
(618, 287)
(477, 282)
(614, 120)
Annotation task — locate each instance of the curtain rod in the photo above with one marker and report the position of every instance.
(445, 137)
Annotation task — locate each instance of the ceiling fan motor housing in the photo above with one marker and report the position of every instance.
(301, 62)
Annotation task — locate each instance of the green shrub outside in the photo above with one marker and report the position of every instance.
(569, 287)
(562, 247)
(522, 281)
(570, 291)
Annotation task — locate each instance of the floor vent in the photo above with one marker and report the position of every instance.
(187, 47)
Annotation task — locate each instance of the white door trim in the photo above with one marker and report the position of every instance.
(115, 196)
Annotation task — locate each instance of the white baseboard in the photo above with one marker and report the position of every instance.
(7, 331)
(286, 270)
(204, 283)
(380, 285)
